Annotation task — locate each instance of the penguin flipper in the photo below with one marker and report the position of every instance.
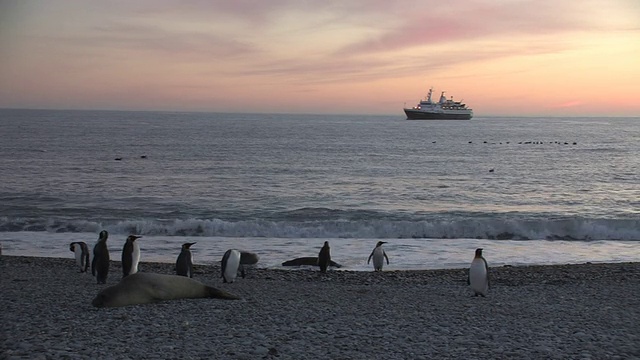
(369, 259)
(385, 256)
(242, 273)
(225, 259)
(486, 267)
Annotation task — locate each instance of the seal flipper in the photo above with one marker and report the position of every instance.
(220, 294)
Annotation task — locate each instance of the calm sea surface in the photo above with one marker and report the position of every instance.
(527, 190)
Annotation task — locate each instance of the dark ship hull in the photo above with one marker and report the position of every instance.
(416, 114)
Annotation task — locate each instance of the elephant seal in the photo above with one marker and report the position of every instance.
(248, 258)
(145, 288)
(308, 260)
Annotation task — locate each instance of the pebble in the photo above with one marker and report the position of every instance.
(584, 311)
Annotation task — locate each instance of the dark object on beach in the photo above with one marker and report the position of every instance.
(308, 260)
(143, 157)
(248, 258)
(491, 170)
(118, 159)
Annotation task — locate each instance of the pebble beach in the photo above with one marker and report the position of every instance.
(584, 311)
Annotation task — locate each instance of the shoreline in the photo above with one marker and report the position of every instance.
(540, 311)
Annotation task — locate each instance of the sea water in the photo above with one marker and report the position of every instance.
(527, 190)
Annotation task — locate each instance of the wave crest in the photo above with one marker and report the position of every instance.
(379, 228)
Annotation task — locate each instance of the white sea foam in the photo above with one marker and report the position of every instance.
(490, 228)
(283, 184)
(404, 254)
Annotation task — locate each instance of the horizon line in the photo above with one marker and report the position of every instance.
(310, 114)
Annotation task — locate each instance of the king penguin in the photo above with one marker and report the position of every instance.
(81, 251)
(479, 275)
(324, 257)
(230, 266)
(100, 264)
(184, 264)
(130, 256)
(379, 256)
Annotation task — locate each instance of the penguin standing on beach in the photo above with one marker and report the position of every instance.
(479, 275)
(379, 256)
(324, 257)
(81, 251)
(100, 263)
(230, 266)
(184, 264)
(130, 256)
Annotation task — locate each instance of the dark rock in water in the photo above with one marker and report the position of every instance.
(248, 258)
(308, 260)
(118, 159)
(505, 236)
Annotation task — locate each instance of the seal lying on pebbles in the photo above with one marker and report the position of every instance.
(308, 260)
(145, 288)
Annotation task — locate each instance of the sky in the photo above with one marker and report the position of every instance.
(500, 57)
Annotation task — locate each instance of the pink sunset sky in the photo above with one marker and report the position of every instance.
(501, 57)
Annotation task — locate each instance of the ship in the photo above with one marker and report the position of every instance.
(444, 109)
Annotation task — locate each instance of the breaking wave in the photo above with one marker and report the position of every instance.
(366, 228)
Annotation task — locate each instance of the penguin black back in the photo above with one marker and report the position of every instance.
(184, 263)
(324, 257)
(100, 263)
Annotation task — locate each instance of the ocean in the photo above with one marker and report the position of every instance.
(527, 190)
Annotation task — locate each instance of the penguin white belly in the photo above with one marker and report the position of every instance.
(232, 265)
(189, 268)
(135, 258)
(478, 277)
(77, 250)
(378, 258)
